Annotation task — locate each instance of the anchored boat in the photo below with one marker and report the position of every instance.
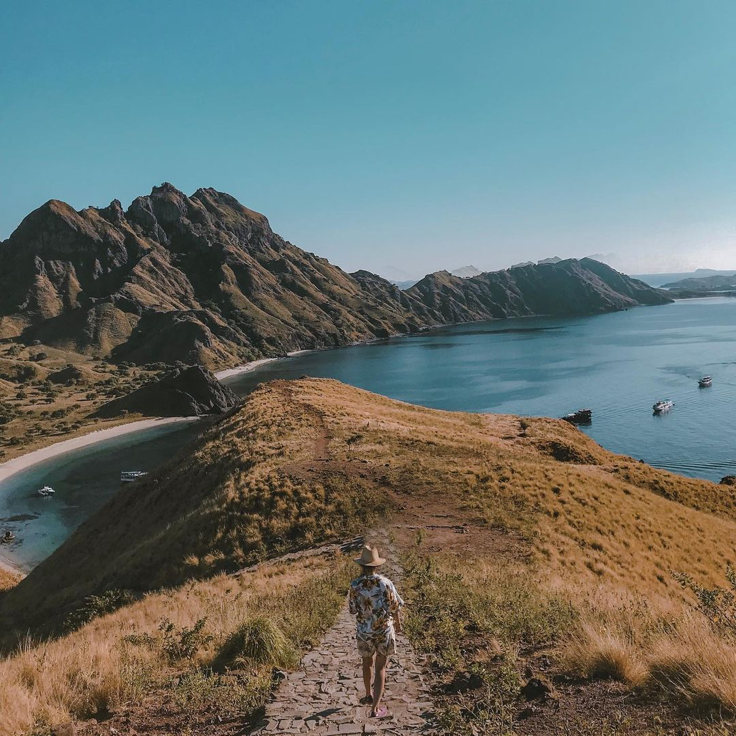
(46, 491)
(128, 476)
(581, 416)
(662, 406)
(705, 381)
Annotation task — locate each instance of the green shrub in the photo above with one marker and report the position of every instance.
(185, 642)
(259, 641)
(97, 605)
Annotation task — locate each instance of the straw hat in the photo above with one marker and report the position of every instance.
(369, 557)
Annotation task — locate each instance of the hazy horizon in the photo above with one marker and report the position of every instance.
(406, 136)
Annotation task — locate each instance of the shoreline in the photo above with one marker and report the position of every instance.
(23, 462)
(253, 364)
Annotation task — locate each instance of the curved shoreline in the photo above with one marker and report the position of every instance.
(248, 367)
(23, 462)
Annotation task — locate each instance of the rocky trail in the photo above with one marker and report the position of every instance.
(321, 697)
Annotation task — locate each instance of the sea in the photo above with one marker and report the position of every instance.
(615, 364)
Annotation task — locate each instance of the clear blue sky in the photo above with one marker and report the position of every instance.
(418, 135)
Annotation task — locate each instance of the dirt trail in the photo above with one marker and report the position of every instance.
(321, 698)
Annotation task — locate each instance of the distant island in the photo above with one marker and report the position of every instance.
(702, 286)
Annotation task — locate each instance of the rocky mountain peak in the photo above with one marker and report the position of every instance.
(204, 279)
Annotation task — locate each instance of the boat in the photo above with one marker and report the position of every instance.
(581, 416)
(705, 381)
(663, 406)
(46, 491)
(7, 537)
(128, 476)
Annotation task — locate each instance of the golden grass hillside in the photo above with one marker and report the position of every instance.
(309, 460)
(185, 657)
(565, 565)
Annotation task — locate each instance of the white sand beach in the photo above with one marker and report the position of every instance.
(245, 368)
(11, 467)
(248, 367)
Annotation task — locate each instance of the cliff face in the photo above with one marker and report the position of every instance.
(203, 279)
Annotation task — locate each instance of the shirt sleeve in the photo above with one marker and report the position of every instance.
(395, 601)
(353, 601)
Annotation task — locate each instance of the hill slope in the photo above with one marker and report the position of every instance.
(203, 279)
(526, 548)
(561, 288)
(280, 474)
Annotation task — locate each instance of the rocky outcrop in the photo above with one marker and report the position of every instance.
(185, 392)
(204, 280)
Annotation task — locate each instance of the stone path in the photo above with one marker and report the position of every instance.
(321, 698)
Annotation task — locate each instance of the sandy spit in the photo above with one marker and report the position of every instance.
(11, 467)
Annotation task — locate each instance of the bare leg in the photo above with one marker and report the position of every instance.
(367, 674)
(379, 683)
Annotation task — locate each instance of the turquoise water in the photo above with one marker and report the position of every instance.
(616, 364)
(84, 480)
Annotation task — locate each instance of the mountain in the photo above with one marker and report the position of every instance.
(185, 392)
(465, 272)
(200, 279)
(403, 285)
(553, 259)
(205, 280)
(704, 283)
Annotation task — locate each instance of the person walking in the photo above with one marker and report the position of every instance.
(374, 601)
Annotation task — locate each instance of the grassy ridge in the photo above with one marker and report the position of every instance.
(568, 544)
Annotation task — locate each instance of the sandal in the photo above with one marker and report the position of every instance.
(382, 712)
(366, 700)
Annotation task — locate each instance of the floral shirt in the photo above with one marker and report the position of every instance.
(374, 600)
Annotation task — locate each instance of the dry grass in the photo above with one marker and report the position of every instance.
(8, 579)
(123, 656)
(280, 474)
(683, 657)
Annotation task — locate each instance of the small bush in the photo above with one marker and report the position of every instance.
(97, 605)
(258, 641)
(184, 642)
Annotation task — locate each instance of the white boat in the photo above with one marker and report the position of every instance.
(662, 406)
(128, 476)
(705, 381)
(46, 491)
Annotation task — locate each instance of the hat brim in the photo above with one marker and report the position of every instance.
(372, 563)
